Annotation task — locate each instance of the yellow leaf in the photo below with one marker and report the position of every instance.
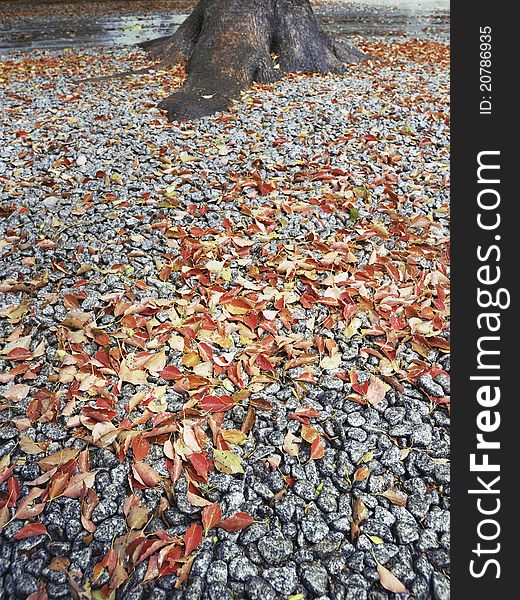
(227, 462)
(234, 436)
(376, 540)
(367, 457)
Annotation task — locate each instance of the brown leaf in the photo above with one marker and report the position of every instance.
(31, 447)
(249, 420)
(183, 572)
(354, 532)
(396, 497)
(4, 516)
(309, 433)
(88, 505)
(360, 511)
(261, 404)
(137, 517)
(389, 581)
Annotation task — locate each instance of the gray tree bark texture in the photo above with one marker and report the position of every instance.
(229, 44)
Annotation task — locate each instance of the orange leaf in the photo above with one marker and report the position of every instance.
(361, 474)
(211, 516)
(140, 447)
(317, 449)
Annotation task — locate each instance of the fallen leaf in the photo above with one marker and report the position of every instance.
(192, 538)
(30, 530)
(389, 581)
(237, 522)
(361, 474)
(376, 539)
(291, 444)
(376, 390)
(31, 447)
(317, 449)
(395, 497)
(17, 392)
(217, 403)
(227, 462)
(234, 436)
(145, 474)
(330, 363)
(211, 516)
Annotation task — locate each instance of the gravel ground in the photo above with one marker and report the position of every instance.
(290, 255)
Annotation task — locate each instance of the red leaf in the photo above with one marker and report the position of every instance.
(19, 354)
(192, 538)
(264, 363)
(13, 488)
(30, 530)
(5, 472)
(236, 522)
(170, 373)
(211, 516)
(201, 464)
(217, 403)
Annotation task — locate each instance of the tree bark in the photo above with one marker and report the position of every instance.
(228, 44)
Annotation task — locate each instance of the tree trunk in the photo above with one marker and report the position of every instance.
(228, 44)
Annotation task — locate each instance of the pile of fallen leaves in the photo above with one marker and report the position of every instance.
(219, 339)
